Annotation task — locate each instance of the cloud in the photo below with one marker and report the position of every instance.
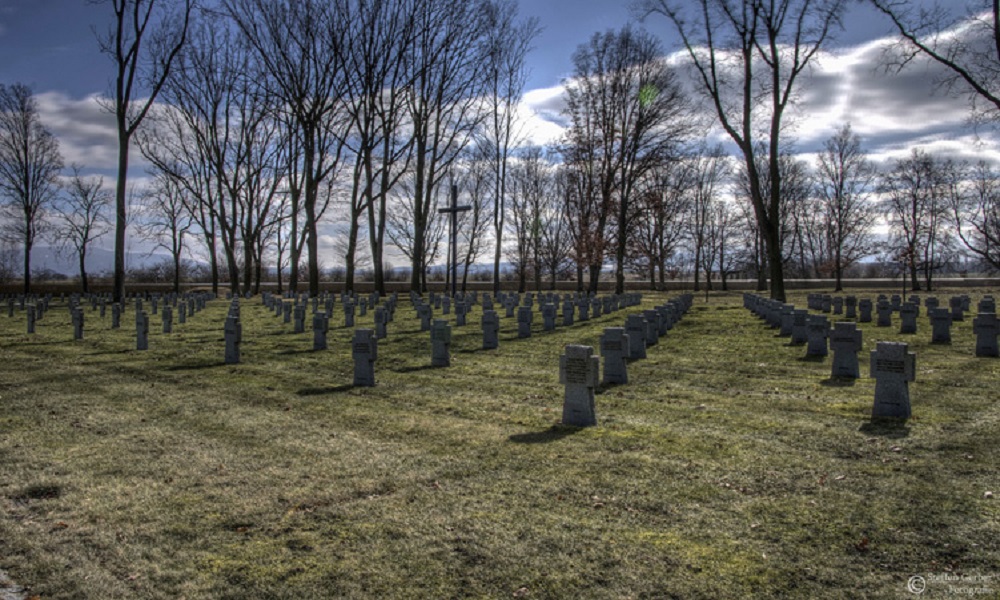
(87, 133)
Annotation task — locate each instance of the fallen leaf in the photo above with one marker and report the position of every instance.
(862, 545)
(521, 592)
(839, 477)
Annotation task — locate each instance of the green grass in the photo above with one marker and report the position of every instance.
(729, 467)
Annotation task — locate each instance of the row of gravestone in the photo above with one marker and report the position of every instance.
(891, 364)
(579, 368)
(985, 326)
(186, 305)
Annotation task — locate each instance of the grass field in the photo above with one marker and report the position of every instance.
(728, 467)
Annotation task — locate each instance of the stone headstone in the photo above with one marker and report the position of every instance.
(908, 313)
(884, 310)
(300, 318)
(78, 324)
(851, 307)
(461, 310)
(986, 327)
(142, 331)
(491, 328)
(838, 305)
(440, 343)
(892, 367)
(364, 350)
(615, 350)
(865, 310)
(381, 323)
(182, 313)
(957, 308)
(845, 341)
(818, 330)
(116, 316)
(548, 316)
(524, 317)
(349, 313)
(635, 327)
(426, 314)
(234, 337)
(987, 305)
(800, 331)
(320, 326)
(168, 319)
(578, 371)
(940, 325)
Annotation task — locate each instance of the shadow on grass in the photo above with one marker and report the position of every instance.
(197, 367)
(415, 368)
(838, 382)
(552, 434)
(325, 390)
(886, 427)
(811, 358)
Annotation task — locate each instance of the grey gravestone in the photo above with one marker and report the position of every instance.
(182, 313)
(957, 308)
(168, 319)
(524, 316)
(509, 306)
(635, 327)
(908, 313)
(584, 310)
(142, 331)
(445, 305)
(286, 309)
(578, 371)
(787, 320)
(461, 310)
(234, 336)
(321, 325)
(548, 316)
(884, 314)
(440, 344)
(568, 309)
(931, 302)
(349, 313)
(892, 367)
(300, 318)
(78, 324)
(491, 327)
(652, 327)
(364, 349)
(362, 304)
(425, 313)
(940, 325)
(818, 330)
(851, 307)
(381, 321)
(845, 341)
(800, 322)
(116, 315)
(826, 302)
(838, 305)
(896, 302)
(597, 306)
(615, 349)
(986, 328)
(987, 305)
(865, 310)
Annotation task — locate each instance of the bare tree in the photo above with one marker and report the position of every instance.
(82, 217)
(663, 203)
(166, 220)
(977, 214)
(916, 192)
(971, 58)
(473, 224)
(747, 57)
(845, 181)
(29, 166)
(300, 45)
(142, 44)
(507, 43)
(626, 108)
(701, 179)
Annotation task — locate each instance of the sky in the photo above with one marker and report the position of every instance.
(51, 46)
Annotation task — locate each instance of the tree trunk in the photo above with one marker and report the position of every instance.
(83, 270)
(118, 294)
(595, 276)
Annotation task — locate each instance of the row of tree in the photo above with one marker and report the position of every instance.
(266, 120)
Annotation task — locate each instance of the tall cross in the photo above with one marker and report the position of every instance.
(454, 209)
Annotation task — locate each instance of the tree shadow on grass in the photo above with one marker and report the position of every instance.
(838, 382)
(886, 427)
(197, 367)
(325, 390)
(811, 359)
(552, 434)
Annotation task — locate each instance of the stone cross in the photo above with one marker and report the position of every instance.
(234, 336)
(364, 350)
(818, 330)
(838, 305)
(381, 321)
(426, 313)
(363, 305)
(884, 314)
(116, 315)
(635, 327)
(491, 327)
(78, 324)
(851, 307)
(931, 302)
(548, 316)
(940, 325)
(957, 308)
(892, 367)
(142, 331)
(787, 320)
(826, 302)
(524, 317)
(446, 305)
(440, 344)
(461, 310)
(349, 313)
(865, 310)
(168, 319)
(300, 318)
(986, 328)
(578, 371)
(596, 305)
(800, 332)
(845, 341)
(908, 313)
(321, 325)
(987, 305)
(615, 350)
(182, 313)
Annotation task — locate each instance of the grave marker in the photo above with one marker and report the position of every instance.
(578, 371)
(364, 350)
(892, 367)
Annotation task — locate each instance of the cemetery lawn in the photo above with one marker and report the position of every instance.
(728, 467)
